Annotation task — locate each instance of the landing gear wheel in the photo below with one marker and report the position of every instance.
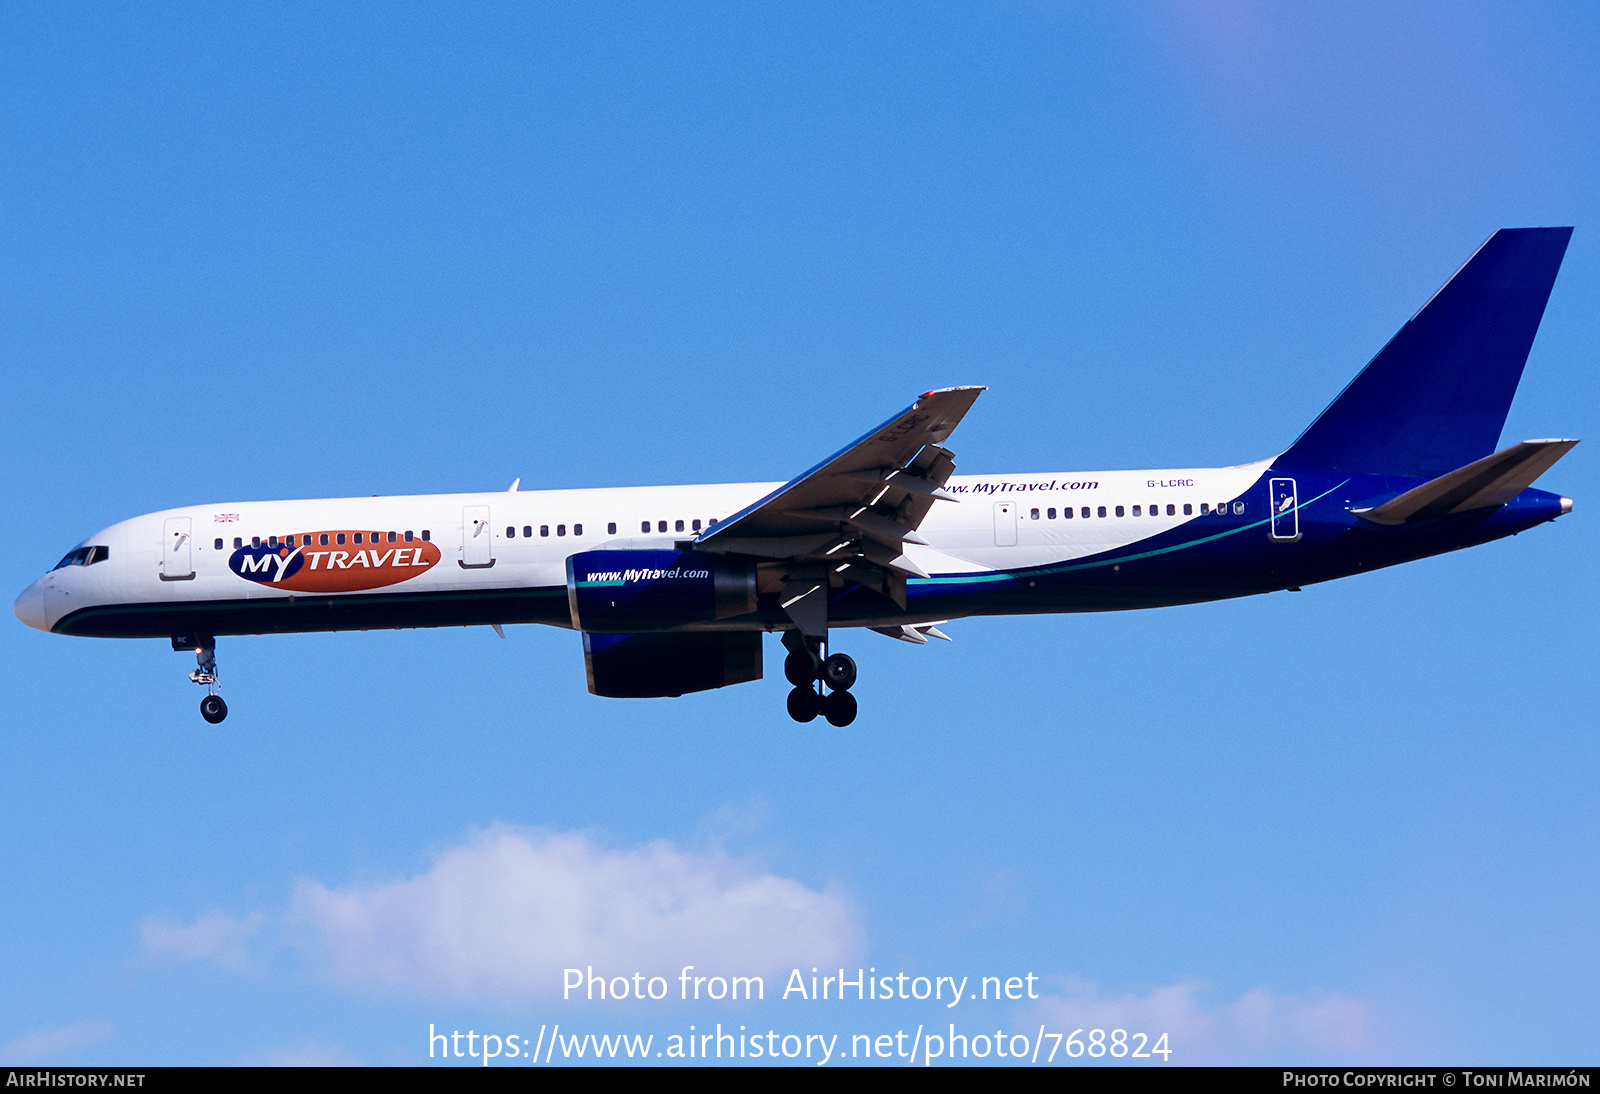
(804, 704)
(839, 708)
(800, 668)
(213, 709)
(839, 673)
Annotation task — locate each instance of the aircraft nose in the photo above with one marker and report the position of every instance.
(30, 607)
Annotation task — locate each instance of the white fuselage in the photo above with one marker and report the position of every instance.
(521, 540)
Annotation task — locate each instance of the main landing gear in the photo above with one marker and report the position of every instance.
(808, 671)
(212, 708)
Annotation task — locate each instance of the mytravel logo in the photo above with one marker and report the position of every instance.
(342, 564)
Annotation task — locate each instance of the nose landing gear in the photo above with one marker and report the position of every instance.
(808, 670)
(212, 708)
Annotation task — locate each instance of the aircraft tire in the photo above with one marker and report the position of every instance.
(839, 708)
(213, 709)
(804, 704)
(800, 668)
(839, 672)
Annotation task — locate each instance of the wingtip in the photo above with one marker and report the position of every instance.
(946, 390)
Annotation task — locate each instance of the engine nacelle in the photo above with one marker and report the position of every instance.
(638, 592)
(648, 666)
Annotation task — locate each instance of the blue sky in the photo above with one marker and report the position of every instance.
(277, 252)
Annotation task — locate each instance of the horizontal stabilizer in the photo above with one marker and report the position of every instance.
(1482, 484)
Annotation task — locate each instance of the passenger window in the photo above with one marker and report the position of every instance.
(1238, 508)
(237, 542)
(677, 526)
(1066, 514)
(408, 536)
(561, 529)
(218, 545)
(1204, 509)
(1135, 512)
(272, 541)
(611, 529)
(426, 536)
(1188, 509)
(511, 533)
(577, 529)
(712, 523)
(339, 539)
(255, 541)
(544, 530)
(390, 539)
(661, 526)
(1172, 510)
(644, 526)
(1050, 514)
(696, 526)
(1085, 513)
(1101, 510)
(323, 539)
(358, 537)
(527, 531)
(1119, 510)
(1033, 514)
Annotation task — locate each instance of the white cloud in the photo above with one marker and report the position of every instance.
(1260, 1026)
(500, 916)
(221, 939)
(48, 1046)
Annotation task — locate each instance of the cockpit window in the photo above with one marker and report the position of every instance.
(85, 556)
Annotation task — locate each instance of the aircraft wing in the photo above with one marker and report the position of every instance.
(878, 488)
(847, 519)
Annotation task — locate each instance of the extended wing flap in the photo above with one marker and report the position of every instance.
(1482, 484)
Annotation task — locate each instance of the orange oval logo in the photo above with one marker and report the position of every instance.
(333, 567)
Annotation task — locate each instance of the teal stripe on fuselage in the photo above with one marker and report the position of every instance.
(1010, 575)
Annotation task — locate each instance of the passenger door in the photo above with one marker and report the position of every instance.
(177, 550)
(1285, 509)
(477, 538)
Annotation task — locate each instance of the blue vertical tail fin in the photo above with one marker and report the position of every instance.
(1435, 398)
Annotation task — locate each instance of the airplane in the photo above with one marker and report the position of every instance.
(672, 587)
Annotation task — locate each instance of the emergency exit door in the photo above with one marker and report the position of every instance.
(1005, 524)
